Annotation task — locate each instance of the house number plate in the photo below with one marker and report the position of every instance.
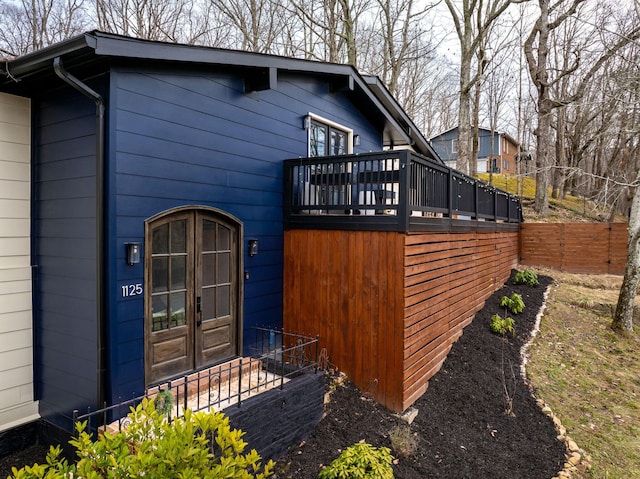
(129, 290)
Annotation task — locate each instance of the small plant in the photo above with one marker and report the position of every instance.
(362, 461)
(513, 303)
(403, 441)
(502, 326)
(163, 402)
(198, 445)
(527, 277)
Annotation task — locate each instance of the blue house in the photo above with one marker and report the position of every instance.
(141, 207)
(497, 151)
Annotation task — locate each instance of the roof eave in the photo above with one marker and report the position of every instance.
(40, 60)
(95, 44)
(111, 45)
(417, 140)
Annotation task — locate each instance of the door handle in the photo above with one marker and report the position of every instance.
(199, 310)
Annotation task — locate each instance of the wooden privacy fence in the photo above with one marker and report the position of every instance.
(592, 248)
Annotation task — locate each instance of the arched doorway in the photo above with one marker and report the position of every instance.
(192, 291)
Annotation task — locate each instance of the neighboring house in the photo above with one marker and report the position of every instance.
(153, 166)
(497, 152)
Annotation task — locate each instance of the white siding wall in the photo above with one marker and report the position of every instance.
(16, 338)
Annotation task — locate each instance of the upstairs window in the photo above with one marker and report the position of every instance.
(328, 139)
(454, 145)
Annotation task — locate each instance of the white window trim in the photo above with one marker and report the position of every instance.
(331, 124)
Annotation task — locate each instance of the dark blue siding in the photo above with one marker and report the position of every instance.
(484, 144)
(442, 144)
(194, 138)
(64, 228)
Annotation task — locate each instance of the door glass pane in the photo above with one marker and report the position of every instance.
(223, 267)
(208, 236)
(159, 274)
(224, 301)
(178, 236)
(208, 269)
(338, 142)
(160, 240)
(208, 303)
(318, 137)
(159, 312)
(178, 272)
(224, 238)
(178, 317)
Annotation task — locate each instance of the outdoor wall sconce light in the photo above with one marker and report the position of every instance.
(253, 247)
(133, 253)
(306, 122)
(356, 140)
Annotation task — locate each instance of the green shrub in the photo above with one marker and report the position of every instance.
(360, 461)
(163, 401)
(513, 303)
(199, 445)
(527, 277)
(502, 326)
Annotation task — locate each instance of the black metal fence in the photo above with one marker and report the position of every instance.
(277, 356)
(397, 186)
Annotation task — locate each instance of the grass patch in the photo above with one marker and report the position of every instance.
(568, 209)
(589, 375)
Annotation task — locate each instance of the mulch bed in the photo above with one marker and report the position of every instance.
(461, 428)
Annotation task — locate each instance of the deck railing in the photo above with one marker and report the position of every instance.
(277, 357)
(397, 188)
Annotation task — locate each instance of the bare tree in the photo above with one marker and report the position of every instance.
(330, 28)
(31, 25)
(472, 20)
(623, 316)
(258, 23)
(401, 39)
(433, 106)
(544, 78)
(629, 80)
(164, 20)
(498, 86)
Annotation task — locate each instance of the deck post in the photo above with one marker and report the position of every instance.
(475, 198)
(404, 181)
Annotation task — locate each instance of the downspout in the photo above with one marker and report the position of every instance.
(100, 110)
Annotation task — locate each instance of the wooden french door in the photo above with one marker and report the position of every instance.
(191, 292)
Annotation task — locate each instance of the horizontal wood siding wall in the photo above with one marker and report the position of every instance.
(591, 248)
(16, 336)
(388, 306)
(346, 287)
(447, 278)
